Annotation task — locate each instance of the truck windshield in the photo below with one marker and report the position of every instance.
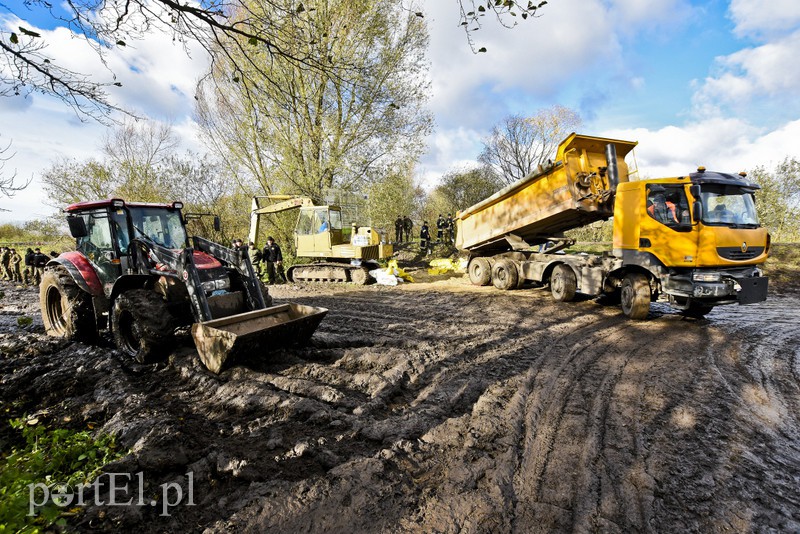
(725, 205)
(162, 225)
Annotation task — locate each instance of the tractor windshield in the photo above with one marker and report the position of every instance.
(725, 205)
(162, 225)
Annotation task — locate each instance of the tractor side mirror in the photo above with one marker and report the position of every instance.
(217, 223)
(77, 227)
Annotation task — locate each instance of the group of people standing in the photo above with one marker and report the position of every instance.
(269, 260)
(27, 270)
(403, 226)
(445, 231)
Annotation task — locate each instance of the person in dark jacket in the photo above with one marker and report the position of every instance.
(274, 257)
(39, 261)
(398, 230)
(28, 273)
(407, 226)
(424, 238)
(255, 257)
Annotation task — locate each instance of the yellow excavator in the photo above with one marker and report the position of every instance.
(342, 254)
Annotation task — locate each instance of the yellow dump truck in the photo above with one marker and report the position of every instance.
(693, 241)
(341, 254)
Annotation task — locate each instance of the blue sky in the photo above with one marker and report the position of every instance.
(711, 83)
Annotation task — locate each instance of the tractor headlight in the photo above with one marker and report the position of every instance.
(706, 277)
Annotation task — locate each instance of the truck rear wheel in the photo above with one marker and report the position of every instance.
(66, 308)
(635, 296)
(563, 283)
(480, 272)
(142, 325)
(505, 275)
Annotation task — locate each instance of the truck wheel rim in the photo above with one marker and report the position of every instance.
(627, 298)
(558, 284)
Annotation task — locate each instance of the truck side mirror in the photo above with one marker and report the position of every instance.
(77, 227)
(697, 210)
(217, 223)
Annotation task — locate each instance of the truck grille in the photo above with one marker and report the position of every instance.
(736, 254)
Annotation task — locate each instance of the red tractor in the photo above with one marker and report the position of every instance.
(135, 273)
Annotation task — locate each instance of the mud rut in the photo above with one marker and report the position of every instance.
(447, 408)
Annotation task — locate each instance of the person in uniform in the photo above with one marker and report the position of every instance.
(398, 230)
(451, 229)
(39, 261)
(5, 257)
(424, 238)
(14, 265)
(407, 226)
(440, 225)
(274, 257)
(27, 274)
(255, 257)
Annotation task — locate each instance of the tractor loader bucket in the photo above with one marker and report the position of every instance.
(221, 342)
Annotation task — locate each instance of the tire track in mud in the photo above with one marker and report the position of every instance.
(464, 411)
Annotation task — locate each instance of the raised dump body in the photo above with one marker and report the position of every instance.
(575, 190)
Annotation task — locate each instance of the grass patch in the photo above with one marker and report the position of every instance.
(56, 458)
(783, 266)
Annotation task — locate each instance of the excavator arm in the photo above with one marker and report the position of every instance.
(284, 203)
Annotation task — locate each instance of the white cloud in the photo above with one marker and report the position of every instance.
(637, 14)
(158, 80)
(764, 17)
(768, 70)
(725, 145)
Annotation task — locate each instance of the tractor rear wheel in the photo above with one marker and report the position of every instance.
(66, 309)
(142, 325)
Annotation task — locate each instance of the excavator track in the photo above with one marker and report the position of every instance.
(329, 272)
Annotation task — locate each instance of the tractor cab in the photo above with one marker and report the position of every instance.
(105, 229)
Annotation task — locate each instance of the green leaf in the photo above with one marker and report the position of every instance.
(524, 16)
(481, 9)
(300, 8)
(420, 14)
(118, 84)
(235, 79)
(29, 33)
(253, 40)
(482, 49)
(14, 38)
(120, 43)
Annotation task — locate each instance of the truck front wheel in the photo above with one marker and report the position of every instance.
(505, 275)
(563, 283)
(142, 325)
(66, 309)
(480, 272)
(635, 296)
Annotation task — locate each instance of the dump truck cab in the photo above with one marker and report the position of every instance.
(698, 234)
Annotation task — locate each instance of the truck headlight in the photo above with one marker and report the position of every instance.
(706, 277)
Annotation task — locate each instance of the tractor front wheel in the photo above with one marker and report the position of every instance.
(142, 325)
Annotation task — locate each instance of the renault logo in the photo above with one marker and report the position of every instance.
(744, 246)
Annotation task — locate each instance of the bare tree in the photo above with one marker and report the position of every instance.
(518, 145)
(8, 185)
(231, 28)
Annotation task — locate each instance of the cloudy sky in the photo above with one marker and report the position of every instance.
(711, 83)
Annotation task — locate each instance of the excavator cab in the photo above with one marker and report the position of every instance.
(318, 230)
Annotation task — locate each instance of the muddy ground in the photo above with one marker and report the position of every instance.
(441, 407)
